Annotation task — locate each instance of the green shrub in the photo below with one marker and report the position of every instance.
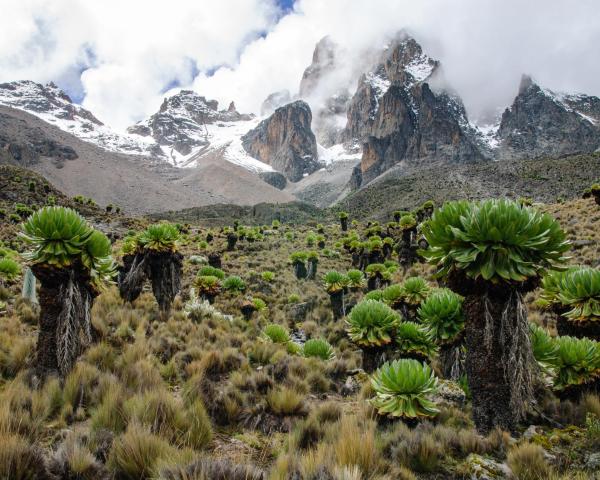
(318, 348)
(402, 387)
(442, 313)
(9, 269)
(498, 240)
(234, 284)
(372, 323)
(268, 276)
(276, 333)
(211, 271)
(577, 289)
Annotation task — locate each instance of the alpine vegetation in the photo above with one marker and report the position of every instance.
(73, 263)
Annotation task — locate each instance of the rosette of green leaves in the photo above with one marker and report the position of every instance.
(208, 285)
(234, 283)
(335, 281)
(57, 234)
(497, 240)
(402, 388)
(407, 222)
(576, 289)
(415, 289)
(160, 237)
(372, 323)
(276, 333)
(545, 349)
(578, 361)
(97, 258)
(442, 312)
(319, 348)
(356, 278)
(415, 339)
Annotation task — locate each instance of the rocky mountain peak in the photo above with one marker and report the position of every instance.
(182, 119)
(541, 122)
(285, 141)
(48, 100)
(323, 62)
(405, 62)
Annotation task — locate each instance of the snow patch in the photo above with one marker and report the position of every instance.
(338, 153)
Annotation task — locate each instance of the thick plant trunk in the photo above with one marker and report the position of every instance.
(131, 276)
(564, 326)
(311, 274)
(46, 362)
(209, 297)
(300, 270)
(375, 357)
(65, 317)
(231, 241)
(337, 304)
(452, 360)
(214, 260)
(499, 363)
(344, 224)
(374, 282)
(165, 273)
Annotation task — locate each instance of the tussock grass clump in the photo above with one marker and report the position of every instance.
(20, 460)
(527, 462)
(285, 401)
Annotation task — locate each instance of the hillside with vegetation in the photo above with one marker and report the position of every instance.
(297, 343)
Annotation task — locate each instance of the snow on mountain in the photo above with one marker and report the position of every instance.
(186, 128)
(54, 106)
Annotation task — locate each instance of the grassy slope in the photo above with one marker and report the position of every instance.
(544, 180)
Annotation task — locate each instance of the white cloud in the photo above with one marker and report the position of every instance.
(138, 47)
(142, 46)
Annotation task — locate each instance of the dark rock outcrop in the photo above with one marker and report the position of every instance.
(23, 146)
(541, 122)
(274, 179)
(285, 141)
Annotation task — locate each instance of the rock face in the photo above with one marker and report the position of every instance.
(399, 118)
(323, 63)
(23, 146)
(181, 121)
(321, 87)
(544, 123)
(285, 141)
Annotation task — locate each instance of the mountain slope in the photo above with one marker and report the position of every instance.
(139, 184)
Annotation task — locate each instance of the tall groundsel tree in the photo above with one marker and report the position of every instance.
(153, 254)
(73, 263)
(492, 252)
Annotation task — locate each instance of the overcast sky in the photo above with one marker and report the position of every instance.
(119, 58)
